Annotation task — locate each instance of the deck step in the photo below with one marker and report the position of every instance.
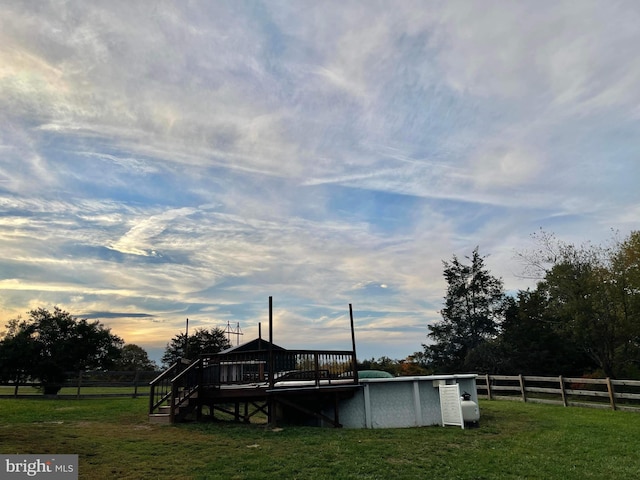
(160, 418)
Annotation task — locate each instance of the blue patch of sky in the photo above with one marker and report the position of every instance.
(110, 255)
(101, 177)
(29, 272)
(383, 211)
(274, 41)
(375, 288)
(469, 216)
(560, 223)
(615, 147)
(239, 311)
(11, 211)
(421, 110)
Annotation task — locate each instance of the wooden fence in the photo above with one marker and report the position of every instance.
(567, 391)
(92, 384)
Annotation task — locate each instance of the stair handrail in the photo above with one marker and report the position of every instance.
(168, 373)
(177, 396)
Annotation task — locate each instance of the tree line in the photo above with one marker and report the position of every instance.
(48, 345)
(583, 316)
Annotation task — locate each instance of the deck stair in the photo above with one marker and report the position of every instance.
(182, 410)
(174, 393)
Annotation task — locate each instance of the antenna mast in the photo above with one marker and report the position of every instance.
(231, 331)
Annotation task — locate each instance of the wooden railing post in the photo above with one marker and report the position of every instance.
(488, 380)
(562, 392)
(522, 388)
(316, 367)
(612, 395)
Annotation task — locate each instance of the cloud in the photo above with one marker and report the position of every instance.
(139, 239)
(193, 159)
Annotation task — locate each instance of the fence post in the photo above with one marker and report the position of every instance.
(524, 395)
(488, 380)
(562, 392)
(135, 384)
(79, 384)
(612, 395)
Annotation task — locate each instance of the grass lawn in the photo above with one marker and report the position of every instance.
(530, 441)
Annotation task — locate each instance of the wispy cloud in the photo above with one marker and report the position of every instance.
(189, 160)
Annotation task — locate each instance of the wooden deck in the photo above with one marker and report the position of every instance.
(285, 385)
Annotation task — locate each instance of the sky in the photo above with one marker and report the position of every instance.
(169, 160)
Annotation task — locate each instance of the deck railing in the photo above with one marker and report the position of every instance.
(319, 366)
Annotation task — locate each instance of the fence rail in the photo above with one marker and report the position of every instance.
(87, 384)
(567, 391)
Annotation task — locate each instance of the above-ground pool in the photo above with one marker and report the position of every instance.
(400, 401)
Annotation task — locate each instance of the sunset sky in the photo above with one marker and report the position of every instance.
(170, 160)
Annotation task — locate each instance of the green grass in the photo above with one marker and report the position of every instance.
(515, 441)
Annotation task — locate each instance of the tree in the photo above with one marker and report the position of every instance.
(49, 344)
(14, 349)
(134, 358)
(625, 264)
(531, 342)
(202, 341)
(593, 296)
(474, 307)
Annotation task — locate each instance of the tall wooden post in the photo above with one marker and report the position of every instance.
(271, 342)
(353, 347)
(271, 414)
(261, 357)
(186, 340)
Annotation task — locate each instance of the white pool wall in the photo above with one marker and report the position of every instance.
(400, 401)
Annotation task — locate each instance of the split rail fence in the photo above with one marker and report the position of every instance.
(92, 384)
(567, 391)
